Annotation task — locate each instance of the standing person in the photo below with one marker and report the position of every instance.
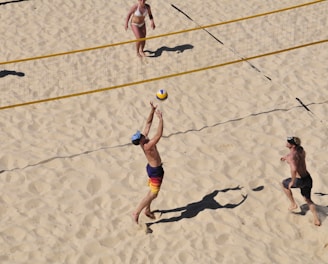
(154, 167)
(300, 177)
(138, 12)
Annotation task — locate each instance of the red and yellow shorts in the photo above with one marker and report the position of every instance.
(156, 176)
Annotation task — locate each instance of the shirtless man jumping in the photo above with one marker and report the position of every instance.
(300, 177)
(154, 167)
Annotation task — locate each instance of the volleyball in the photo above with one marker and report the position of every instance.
(161, 94)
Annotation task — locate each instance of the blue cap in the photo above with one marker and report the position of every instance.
(136, 136)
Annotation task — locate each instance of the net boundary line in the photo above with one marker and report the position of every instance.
(162, 35)
(162, 77)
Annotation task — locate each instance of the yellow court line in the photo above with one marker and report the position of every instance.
(163, 77)
(162, 35)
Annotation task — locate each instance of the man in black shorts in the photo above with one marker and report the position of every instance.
(300, 177)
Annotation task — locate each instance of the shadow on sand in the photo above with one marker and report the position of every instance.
(13, 1)
(321, 210)
(4, 73)
(321, 194)
(193, 209)
(177, 49)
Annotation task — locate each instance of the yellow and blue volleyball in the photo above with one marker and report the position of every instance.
(161, 94)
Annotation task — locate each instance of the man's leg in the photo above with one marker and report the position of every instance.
(145, 203)
(313, 209)
(148, 211)
(289, 195)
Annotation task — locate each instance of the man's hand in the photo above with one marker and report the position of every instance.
(159, 114)
(153, 106)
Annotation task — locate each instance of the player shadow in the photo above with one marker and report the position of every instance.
(259, 188)
(177, 49)
(4, 73)
(13, 1)
(193, 209)
(321, 210)
(321, 194)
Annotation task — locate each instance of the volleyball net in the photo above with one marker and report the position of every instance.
(98, 69)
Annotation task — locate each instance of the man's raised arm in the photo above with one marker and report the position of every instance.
(149, 120)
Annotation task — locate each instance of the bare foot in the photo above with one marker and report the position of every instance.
(135, 217)
(292, 207)
(142, 54)
(317, 222)
(150, 215)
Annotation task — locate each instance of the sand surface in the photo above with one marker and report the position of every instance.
(70, 178)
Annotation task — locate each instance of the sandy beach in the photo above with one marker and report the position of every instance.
(70, 177)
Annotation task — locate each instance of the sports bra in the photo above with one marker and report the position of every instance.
(138, 13)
